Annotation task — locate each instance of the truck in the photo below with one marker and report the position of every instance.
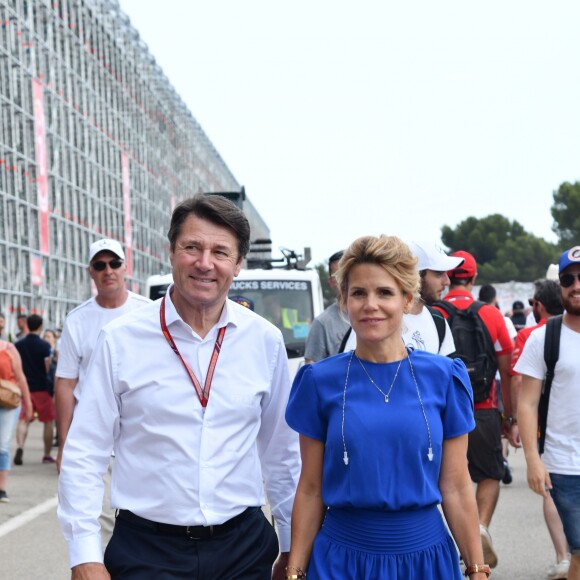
(282, 290)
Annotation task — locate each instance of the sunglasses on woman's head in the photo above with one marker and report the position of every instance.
(100, 265)
(566, 280)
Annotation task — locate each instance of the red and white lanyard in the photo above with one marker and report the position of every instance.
(202, 393)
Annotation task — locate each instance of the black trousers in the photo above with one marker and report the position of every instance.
(246, 551)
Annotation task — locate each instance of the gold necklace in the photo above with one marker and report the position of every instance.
(386, 396)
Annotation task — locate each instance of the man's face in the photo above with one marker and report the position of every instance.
(205, 260)
(2, 324)
(536, 309)
(331, 279)
(571, 295)
(21, 322)
(110, 280)
(433, 284)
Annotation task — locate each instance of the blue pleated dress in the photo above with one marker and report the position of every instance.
(382, 520)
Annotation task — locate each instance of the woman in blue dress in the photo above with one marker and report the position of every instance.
(383, 435)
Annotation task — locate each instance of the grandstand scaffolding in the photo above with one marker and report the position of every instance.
(94, 142)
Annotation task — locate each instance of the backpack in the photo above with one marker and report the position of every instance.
(473, 345)
(439, 323)
(437, 319)
(551, 355)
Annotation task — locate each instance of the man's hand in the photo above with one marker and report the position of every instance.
(279, 568)
(90, 571)
(506, 428)
(538, 477)
(514, 437)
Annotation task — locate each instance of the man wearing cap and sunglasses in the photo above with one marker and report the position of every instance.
(107, 269)
(557, 470)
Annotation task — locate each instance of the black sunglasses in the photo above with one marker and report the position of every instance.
(566, 280)
(100, 265)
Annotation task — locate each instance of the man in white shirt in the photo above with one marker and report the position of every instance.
(419, 326)
(190, 391)
(557, 470)
(107, 269)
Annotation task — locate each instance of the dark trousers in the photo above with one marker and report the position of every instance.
(246, 551)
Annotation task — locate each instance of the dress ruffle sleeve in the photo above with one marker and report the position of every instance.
(303, 412)
(457, 415)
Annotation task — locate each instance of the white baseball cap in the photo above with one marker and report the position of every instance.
(106, 245)
(432, 257)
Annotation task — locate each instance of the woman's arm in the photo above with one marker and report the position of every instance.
(308, 510)
(20, 380)
(458, 502)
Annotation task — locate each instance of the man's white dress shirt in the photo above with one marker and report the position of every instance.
(175, 463)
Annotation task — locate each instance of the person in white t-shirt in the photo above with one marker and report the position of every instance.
(107, 268)
(557, 470)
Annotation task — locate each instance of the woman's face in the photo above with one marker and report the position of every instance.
(375, 303)
(50, 338)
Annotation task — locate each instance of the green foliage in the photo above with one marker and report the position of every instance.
(327, 292)
(504, 251)
(566, 213)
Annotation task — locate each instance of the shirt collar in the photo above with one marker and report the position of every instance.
(459, 293)
(227, 316)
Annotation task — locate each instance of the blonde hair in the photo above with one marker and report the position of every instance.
(388, 252)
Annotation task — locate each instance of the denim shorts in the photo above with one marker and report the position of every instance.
(566, 494)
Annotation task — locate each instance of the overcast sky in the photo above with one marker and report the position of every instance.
(349, 118)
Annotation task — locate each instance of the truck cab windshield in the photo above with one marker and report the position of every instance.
(285, 303)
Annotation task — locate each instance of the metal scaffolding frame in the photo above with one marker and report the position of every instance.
(94, 142)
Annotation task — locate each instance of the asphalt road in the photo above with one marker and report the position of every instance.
(32, 547)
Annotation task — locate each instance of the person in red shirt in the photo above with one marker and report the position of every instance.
(484, 453)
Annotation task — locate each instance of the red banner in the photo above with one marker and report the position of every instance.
(127, 212)
(41, 166)
(36, 270)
